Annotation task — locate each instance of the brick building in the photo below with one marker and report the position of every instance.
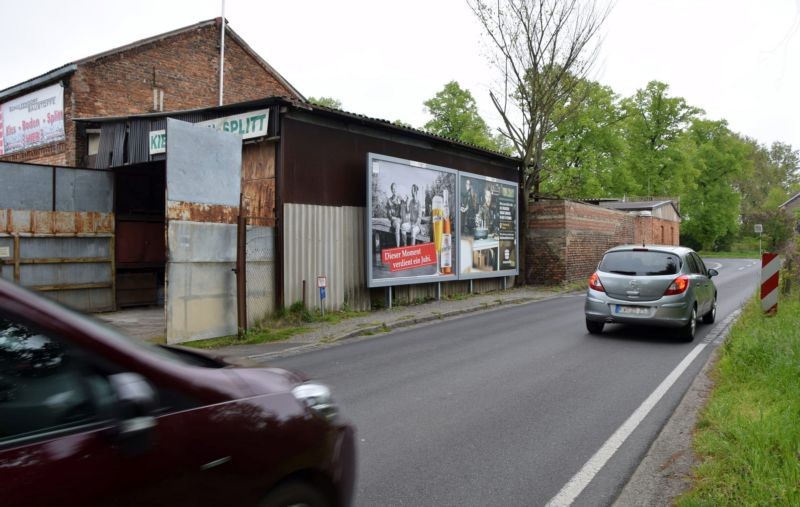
(171, 71)
(567, 239)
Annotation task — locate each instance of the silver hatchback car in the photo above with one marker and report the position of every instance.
(655, 285)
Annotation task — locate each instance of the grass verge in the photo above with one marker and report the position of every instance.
(748, 436)
(281, 326)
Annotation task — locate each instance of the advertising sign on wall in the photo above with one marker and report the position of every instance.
(247, 125)
(411, 210)
(488, 226)
(419, 230)
(32, 120)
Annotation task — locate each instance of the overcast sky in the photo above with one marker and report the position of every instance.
(738, 60)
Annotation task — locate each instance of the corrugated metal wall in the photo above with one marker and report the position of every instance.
(325, 240)
(329, 240)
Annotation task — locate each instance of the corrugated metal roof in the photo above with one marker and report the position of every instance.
(634, 206)
(791, 199)
(219, 111)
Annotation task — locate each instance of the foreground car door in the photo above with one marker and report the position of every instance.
(62, 441)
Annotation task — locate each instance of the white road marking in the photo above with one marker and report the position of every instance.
(579, 481)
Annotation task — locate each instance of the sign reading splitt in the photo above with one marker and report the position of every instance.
(32, 120)
(248, 125)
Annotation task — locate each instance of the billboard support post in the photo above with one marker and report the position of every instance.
(439, 291)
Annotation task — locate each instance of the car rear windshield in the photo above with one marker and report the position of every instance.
(640, 263)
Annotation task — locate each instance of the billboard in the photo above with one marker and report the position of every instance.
(488, 227)
(427, 223)
(411, 210)
(32, 120)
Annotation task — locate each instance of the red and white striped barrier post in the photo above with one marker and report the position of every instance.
(770, 266)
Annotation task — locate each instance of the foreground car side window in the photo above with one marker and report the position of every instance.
(45, 385)
(640, 263)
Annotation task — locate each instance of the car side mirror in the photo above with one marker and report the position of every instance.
(712, 273)
(136, 402)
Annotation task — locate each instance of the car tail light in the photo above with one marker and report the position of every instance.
(678, 286)
(595, 284)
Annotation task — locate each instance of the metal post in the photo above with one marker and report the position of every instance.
(438, 291)
(222, 54)
(390, 297)
(241, 267)
(470, 286)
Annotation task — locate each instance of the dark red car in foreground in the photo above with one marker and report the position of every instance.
(89, 417)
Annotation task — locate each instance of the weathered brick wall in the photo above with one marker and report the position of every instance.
(185, 66)
(567, 239)
(656, 231)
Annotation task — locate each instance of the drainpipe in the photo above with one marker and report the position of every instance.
(222, 54)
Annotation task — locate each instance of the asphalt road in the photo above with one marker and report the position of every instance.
(505, 407)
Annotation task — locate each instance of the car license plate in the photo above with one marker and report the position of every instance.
(632, 310)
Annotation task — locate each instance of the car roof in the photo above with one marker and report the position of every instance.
(677, 250)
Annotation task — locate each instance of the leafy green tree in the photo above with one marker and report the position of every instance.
(455, 115)
(711, 207)
(658, 148)
(326, 102)
(586, 150)
(786, 161)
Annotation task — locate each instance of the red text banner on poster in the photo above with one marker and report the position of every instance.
(409, 257)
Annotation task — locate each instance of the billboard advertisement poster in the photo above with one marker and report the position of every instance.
(411, 222)
(488, 227)
(33, 119)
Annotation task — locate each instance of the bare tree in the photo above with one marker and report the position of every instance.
(542, 49)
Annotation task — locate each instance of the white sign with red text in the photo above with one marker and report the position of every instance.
(32, 120)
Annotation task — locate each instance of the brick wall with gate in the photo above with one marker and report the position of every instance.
(565, 239)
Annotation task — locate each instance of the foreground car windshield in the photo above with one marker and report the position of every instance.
(640, 263)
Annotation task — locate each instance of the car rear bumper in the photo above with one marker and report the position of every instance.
(665, 312)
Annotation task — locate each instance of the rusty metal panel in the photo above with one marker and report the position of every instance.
(76, 271)
(194, 212)
(201, 286)
(59, 222)
(84, 190)
(203, 165)
(258, 182)
(325, 240)
(140, 242)
(26, 186)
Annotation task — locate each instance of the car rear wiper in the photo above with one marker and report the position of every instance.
(630, 273)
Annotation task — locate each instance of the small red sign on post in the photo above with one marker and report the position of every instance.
(770, 267)
(322, 281)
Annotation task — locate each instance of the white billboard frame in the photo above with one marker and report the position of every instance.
(371, 227)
